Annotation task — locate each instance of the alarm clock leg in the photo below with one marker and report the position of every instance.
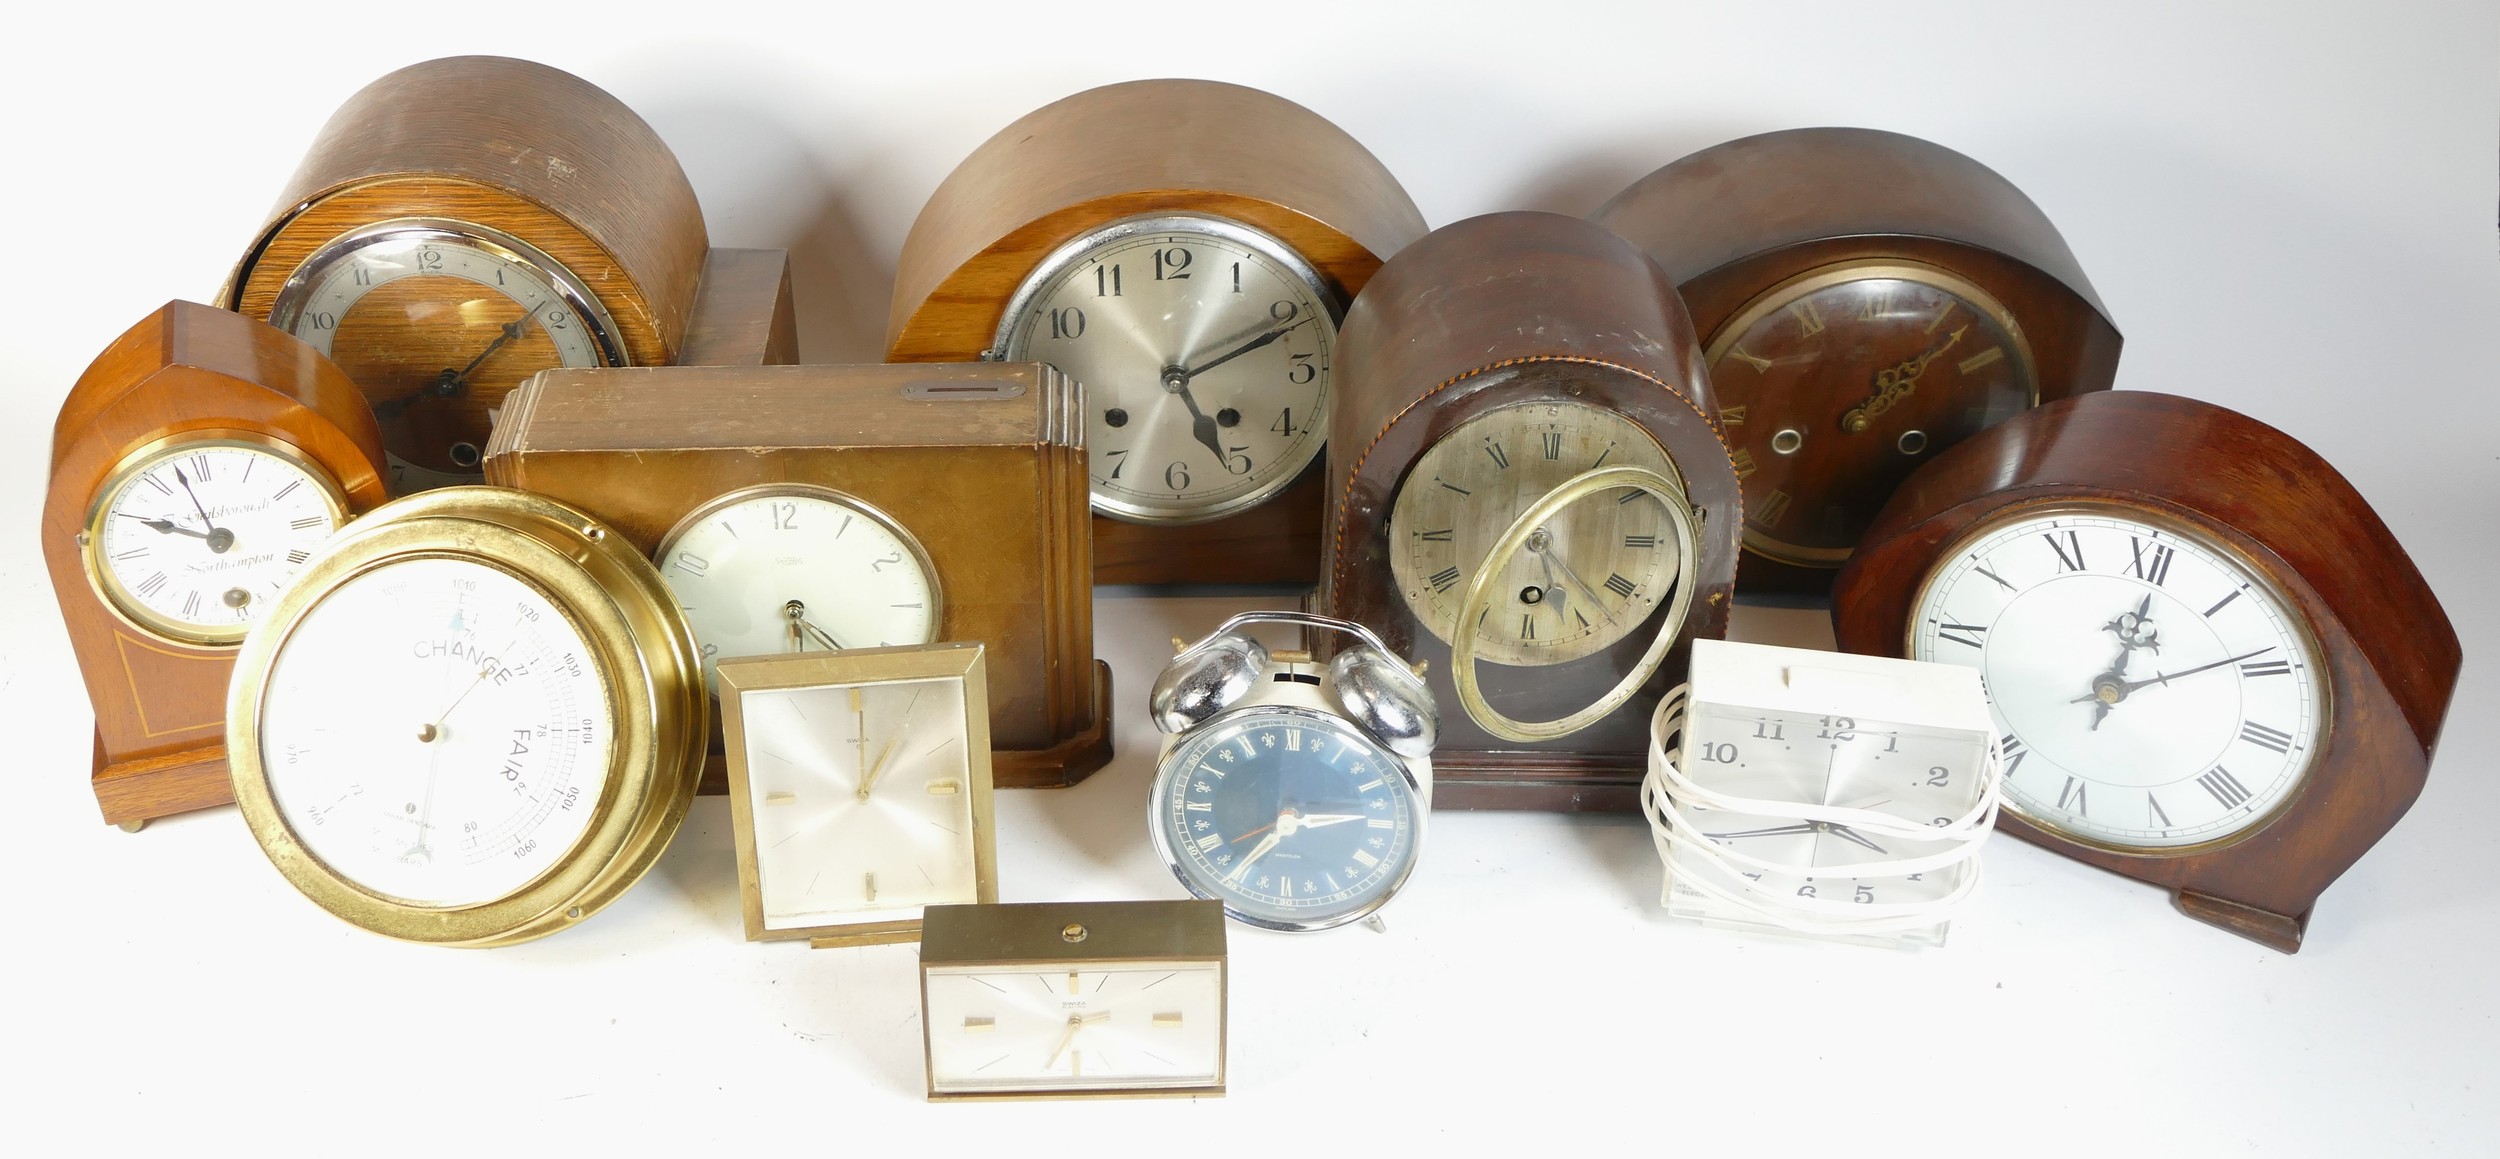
(2265, 927)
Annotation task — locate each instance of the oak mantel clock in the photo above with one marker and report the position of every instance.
(1523, 466)
(196, 465)
(1865, 300)
(2212, 666)
(463, 223)
(1185, 249)
(832, 508)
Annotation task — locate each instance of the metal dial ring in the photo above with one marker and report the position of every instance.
(1479, 600)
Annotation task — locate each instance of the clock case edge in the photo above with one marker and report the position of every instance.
(185, 368)
(2392, 654)
(1731, 222)
(1492, 311)
(1141, 147)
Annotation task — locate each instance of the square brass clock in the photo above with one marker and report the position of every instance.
(1071, 1000)
(859, 786)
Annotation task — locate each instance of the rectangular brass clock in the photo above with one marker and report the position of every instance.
(1074, 999)
(808, 508)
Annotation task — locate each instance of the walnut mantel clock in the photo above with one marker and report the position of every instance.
(1185, 249)
(463, 223)
(1523, 467)
(2212, 666)
(1866, 300)
(196, 465)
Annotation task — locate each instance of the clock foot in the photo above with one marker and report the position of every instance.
(133, 791)
(2265, 927)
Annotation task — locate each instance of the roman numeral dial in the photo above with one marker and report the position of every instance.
(193, 540)
(1586, 579)
(1846, 379)
(2161, 694)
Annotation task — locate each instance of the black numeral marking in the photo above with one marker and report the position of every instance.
(307, 523)
(2256, 668)
(1527, 626)
(1107, 281)
(2064, 561)
(1444, 579)
(1067, 322)
(287, 490)
(1640, 541)
(1500, 459)
(1435, 536)
(1552, 441)
(298, 555)
(1994, 576)
(191, 606)
(2071, 798)
(1970, 633)
(2224, 602)
(2152, 568)
(2225, 787)
(2153, 814)
(1172, 264)
(1455, 487)
(2264, 737)
(2011, 747)
(1620, 586)
(150, 585)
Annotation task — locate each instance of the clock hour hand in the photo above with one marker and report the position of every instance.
(1201, 424)
(801, 627)
(1773, 831)
(1076, 1022)
(450, 383)
(1851, 836)
(164, 526)
(1895, 383)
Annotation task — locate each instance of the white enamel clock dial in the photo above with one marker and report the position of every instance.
(2152, 691)
(1204, 347)
(1089, 1025)
(797, 569)
(436, 732)
(192, 541)
(1583, 581)
(861, 801)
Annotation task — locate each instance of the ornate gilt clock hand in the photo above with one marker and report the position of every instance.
(1894, 383)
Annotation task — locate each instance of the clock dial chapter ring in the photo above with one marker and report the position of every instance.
(635, 654)
(323, 500)
(1480, 592)
(1204, 346)
(436, 371)
(1836, 383)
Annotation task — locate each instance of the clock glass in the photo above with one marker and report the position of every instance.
(1836, 384)
(795, 568)
(2152, 691)
(1584, 580)
(193, 538)
(861, 801)
(1204, 347)
(1072, 1027)
(438, 321)
(480, 766)
(1290, 817)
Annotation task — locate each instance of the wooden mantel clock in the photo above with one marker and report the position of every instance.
(2211, 665)
(1866, 300)
(1185, 249)
(463, 223)
(196, 465)
(1523, 466)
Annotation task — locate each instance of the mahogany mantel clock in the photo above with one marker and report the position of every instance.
(196, 466)
(1523, 466)
(2211, 665)
(1865, 300)
(1185, 249)
(463, 223)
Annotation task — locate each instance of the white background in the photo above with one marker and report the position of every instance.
(2289, 208)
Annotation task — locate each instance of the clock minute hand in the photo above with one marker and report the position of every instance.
(1324, 820)
(1244, 348)
(2165, 678)
(1773, 831)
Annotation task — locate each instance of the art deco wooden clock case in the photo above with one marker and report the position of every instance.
(1866, 300)
(1491, 370)
(968, 479)
(1185, 249)
(2211, 666)
(195, 466)
(463, 223)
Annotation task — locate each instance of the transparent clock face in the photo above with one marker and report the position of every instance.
(797, 569)
(437, 321)
(1923, 775)
(860, 800)
(437, 732)
(1292, 819)
(2153, 690)
(1586, 579)
(1204, 347)
(1081, 1026)
(194, 539)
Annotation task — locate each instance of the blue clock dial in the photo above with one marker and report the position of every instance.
(1292, 818)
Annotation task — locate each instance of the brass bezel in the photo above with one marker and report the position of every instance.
(955, 660)
(638, 642)
(1820, 278)
(107, 586)
(1021, 936)
(2141, 511)
(875, 514)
